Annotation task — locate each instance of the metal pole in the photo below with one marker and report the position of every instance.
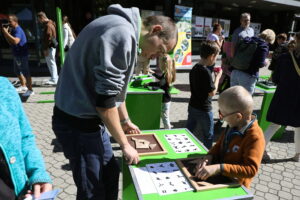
(60, 35)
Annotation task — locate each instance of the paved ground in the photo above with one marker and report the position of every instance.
(278, 179)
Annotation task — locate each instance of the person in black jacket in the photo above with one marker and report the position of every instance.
(285, 106)
(168, 76)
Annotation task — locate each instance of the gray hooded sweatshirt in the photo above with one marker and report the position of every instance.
(99, 64)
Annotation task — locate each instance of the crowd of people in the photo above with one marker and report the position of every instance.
(99, 64)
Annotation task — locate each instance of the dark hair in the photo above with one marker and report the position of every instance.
(208, 48)
(65, 19)
(216, 27)
(14, 17)
(169, 29)
(282, 36)
(41, 14)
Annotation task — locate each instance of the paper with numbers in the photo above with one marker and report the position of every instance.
(181, 143)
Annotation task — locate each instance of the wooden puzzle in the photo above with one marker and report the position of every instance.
(187, 166)
(146, 144)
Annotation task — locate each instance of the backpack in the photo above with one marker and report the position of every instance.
(244, 52)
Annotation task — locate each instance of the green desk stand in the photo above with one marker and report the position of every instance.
(144, 107)
(131, 189)
(263, 123)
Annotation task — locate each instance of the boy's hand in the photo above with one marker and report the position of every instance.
(218, 74)
(202, 162)
(130, 154)
(207, 171)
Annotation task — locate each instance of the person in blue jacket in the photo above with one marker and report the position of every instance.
(248, 77)
(22, 169)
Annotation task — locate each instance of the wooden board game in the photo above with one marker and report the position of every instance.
(146, 144)
(187, 166)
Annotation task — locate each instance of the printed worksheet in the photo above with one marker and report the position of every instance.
(168, 178)
(181, 143)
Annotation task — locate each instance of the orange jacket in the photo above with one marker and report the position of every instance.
(244, 154)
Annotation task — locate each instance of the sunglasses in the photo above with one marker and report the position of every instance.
(222, 116)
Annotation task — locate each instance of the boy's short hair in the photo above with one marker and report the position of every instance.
(268, 35)
(282, 36)
(237, 99)
(208, 48)
(216, 27)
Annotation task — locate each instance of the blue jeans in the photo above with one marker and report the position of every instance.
(201, 123)
(94, 167)
(21, 66)
(244, 79)
(51, 63)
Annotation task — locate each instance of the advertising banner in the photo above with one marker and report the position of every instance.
(182, 51)
(147, 13)
(226, 26)
(256, 27)
(198, 25)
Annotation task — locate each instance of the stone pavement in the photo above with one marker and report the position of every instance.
(278, 179)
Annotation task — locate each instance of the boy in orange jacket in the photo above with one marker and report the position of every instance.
(239, 150)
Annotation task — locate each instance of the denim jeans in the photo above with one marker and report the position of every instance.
(21, 65)
(94, 167)
(244, 79)
(201, 124)
(51, 63)
(165, 115)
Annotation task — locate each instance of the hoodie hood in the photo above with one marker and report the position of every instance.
(132, 15)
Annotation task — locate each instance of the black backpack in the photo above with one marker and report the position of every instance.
(244, 52)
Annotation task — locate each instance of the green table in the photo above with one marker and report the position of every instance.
(263, 123)
(131, 193)
(144, 105)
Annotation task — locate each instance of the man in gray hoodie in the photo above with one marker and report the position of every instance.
(91, 93)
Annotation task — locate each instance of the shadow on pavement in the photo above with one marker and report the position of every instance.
(282, 160)
(180, 99)
(182, 87)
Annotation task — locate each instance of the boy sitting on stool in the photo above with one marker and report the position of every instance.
(239, 150)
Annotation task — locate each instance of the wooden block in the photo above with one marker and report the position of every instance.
(142, 144)
(187, 166)
(152, 146)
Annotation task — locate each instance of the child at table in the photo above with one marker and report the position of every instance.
(200, 116)
(239, 150)
(167, 77)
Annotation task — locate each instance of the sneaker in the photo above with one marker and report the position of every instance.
(296, 158)
(50, 83)
(21, 89)
(267, 156)
(28, 93)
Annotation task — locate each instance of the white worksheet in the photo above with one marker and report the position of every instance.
(168, 178)
(181, 143)
(144, 180)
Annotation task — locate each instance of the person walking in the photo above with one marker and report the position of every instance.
(49, 44)
(285, 106)
(69, 35)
